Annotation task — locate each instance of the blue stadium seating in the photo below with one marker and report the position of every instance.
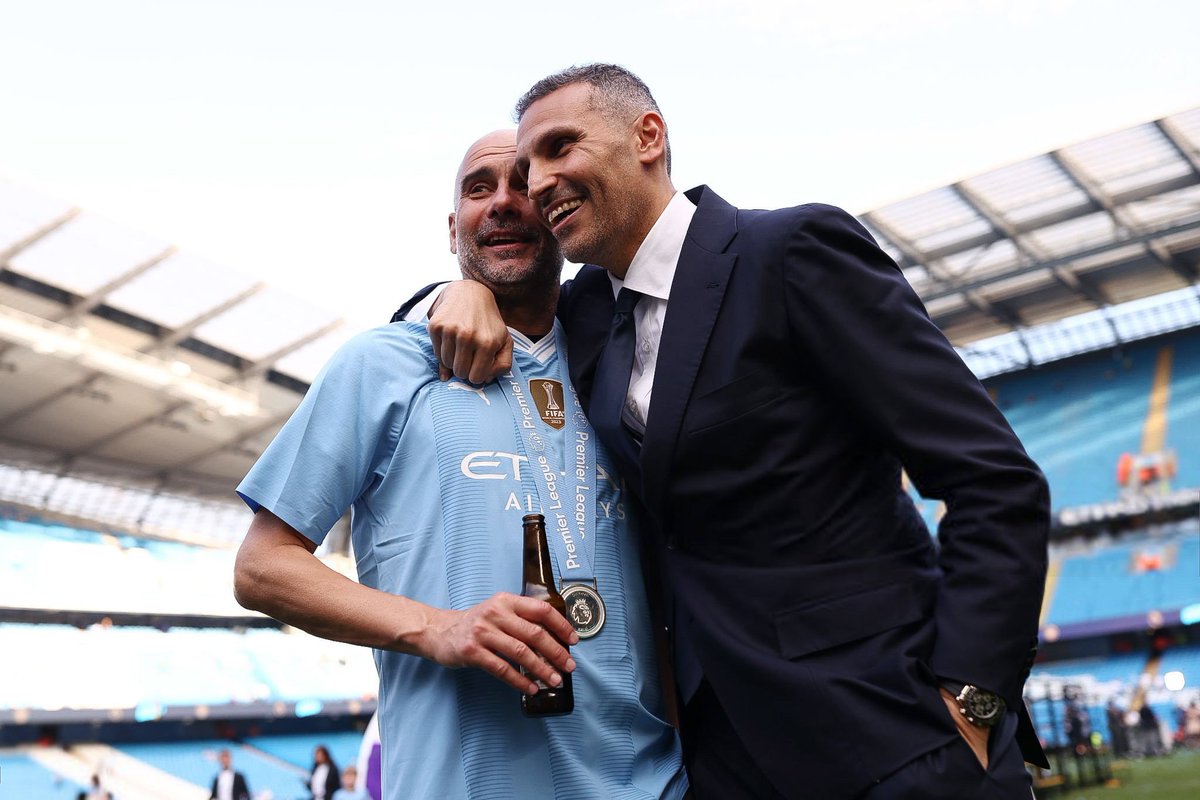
(1185, 659)
(298, 750)
(22, 778)
(1104, 583)
(196, 762)
(180, 667)
(1078, 417)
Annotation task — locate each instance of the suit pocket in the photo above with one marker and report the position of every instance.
(829, 623)
(735, 399)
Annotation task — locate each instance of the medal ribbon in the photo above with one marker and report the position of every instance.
(568, 500)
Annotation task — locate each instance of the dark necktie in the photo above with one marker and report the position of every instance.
(612, 386)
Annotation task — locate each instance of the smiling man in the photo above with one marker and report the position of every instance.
(762, 377)
(439, 476)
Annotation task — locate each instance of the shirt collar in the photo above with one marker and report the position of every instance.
(653, 266)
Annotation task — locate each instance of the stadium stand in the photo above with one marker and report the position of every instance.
(1128, 578)
(139, 383)
(1080, 417)
(196, 763)
(22, 777)
(298, 750)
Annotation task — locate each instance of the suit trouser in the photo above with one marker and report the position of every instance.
(719, 766)
(952, 772)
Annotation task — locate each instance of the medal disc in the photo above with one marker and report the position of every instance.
(585, 609)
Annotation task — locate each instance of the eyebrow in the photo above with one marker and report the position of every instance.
(558, 130)
(479, 173)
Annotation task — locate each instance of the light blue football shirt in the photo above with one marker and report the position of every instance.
(437, 500)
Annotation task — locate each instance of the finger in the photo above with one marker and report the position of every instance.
(504, 671)
(444, 374)
(447, 351)
(545, 616)
(504, 358)
(461, 361)
(435, 339)
(525, 656)
(545, 646)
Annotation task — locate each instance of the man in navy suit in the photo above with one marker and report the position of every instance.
(229, 785)
(763, 377)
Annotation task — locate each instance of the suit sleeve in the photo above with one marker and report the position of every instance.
(850, 307)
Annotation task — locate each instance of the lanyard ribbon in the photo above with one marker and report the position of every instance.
(563, 465)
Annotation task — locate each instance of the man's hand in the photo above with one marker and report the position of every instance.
(975, 736)
(468, 334)
(504, 630)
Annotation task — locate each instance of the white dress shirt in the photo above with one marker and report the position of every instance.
(651, 273)
(225, 785)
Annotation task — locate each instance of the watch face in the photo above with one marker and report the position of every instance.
(984, 706)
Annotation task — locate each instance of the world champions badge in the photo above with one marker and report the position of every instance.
(585, 609)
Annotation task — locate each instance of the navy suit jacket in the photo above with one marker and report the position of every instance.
(240, 790)
(797, 372)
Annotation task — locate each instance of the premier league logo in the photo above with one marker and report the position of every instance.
(585, 609)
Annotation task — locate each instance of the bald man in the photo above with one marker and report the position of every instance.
(439, 476)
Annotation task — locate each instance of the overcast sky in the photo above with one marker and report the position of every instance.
(314, 144)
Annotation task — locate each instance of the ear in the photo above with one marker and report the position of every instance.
(651, 137)
(453, 236)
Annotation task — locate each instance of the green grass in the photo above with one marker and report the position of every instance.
(1173, 777)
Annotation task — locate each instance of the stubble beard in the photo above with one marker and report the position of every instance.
(510, 275)
(602, 242)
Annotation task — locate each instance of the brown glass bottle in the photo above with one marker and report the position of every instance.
(539, 583)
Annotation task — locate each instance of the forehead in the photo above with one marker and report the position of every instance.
(495, 152)
(568, 107)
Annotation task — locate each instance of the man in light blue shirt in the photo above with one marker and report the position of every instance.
(439, 475)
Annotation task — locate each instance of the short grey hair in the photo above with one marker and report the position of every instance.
(616, 92)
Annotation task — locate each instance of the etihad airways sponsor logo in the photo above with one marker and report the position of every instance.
(492, 465)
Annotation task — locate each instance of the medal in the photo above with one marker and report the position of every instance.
(562, 471)
(585, 608)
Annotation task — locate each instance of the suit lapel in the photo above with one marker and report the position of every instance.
(697, 291)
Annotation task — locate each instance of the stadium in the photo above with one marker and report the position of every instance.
(138, 384)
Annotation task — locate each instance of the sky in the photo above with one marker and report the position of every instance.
(314, 144)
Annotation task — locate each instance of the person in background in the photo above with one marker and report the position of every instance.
(229, 785)
(324, 779)
(348, 790)
(95, 791)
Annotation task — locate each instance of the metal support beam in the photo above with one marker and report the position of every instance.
(39, 234)
(911, 257)
(86, 304)
(1031, 252)
(1062, 260)
(265, 363)
(1180, 145)
(188, 328)
(1120, 215)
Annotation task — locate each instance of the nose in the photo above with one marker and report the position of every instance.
(540, 181)
(507, 200)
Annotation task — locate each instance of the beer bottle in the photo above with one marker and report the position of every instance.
(539, 583)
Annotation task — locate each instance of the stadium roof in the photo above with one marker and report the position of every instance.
(1040, 242)
(120, 354)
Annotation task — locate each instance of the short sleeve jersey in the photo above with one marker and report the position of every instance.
(437, 484)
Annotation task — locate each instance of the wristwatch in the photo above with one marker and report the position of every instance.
(979, 706)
